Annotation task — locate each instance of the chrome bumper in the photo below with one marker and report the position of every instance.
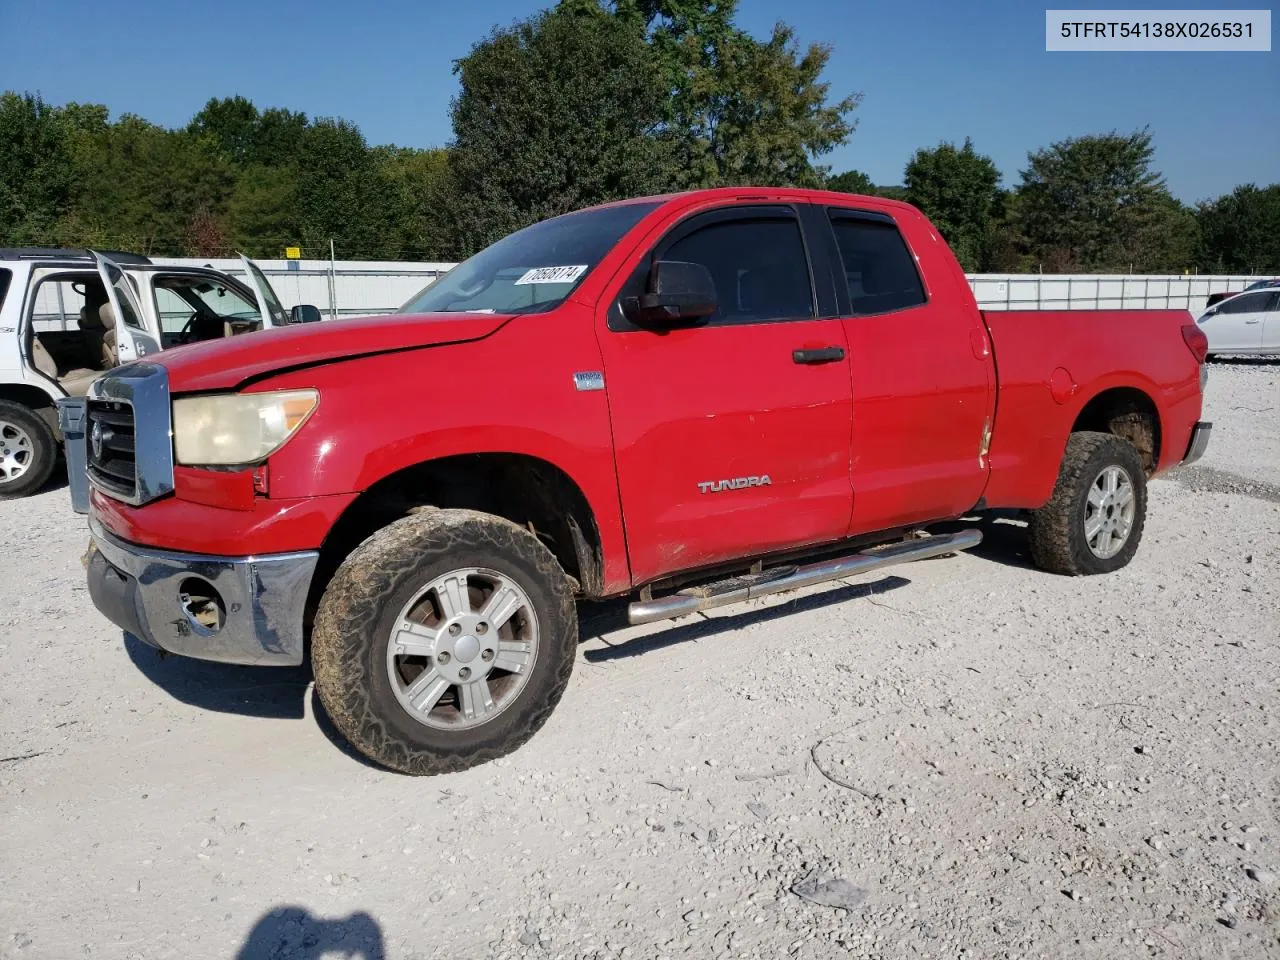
(149, 593)
(1199, 442)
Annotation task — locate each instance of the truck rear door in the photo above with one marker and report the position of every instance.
(730, 439)
(922, 370)
(131, 336)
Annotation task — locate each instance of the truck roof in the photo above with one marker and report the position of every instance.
(69, 253)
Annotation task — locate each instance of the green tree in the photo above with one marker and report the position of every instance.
(417, 180)
(232, 124)
(1240, 231)
(270, 137)
(742, 110)
(1095, 204)
(36, 170)
(141, 187)
(340, 194)
(262, 212)
(958, 189)
(555, 113)
(851, 181)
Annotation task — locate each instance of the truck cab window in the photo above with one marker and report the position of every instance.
(878, 267)
(759, 267)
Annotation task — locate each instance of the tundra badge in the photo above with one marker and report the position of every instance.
(738, 483)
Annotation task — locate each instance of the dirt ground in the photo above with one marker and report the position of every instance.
(965, 758)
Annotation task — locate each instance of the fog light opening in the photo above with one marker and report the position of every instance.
(202, 604)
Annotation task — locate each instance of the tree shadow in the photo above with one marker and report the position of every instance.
(609, 617)
(294, 933)
(269, 692)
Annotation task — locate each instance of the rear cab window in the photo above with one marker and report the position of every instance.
(878, 267)
(6, 278)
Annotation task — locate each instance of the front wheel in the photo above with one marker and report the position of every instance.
(1093, 522)
(443, 641)
(28, 451)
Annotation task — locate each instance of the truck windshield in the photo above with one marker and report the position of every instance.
(534, 269)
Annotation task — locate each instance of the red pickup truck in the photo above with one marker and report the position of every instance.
(689, 400)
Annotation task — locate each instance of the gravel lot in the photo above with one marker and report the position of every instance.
(967, 758)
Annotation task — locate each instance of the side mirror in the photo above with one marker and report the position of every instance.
(304, 313)
(678, 293)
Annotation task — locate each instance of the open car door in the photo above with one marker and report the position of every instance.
(130, 334)
(273, 314)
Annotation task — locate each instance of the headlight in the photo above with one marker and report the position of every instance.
(234, 428)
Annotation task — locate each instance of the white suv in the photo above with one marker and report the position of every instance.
(68, 316)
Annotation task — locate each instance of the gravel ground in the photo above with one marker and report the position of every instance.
(967, 758)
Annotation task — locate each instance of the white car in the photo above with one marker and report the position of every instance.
(1248, 322)
(68, 316)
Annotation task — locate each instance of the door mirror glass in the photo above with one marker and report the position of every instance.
(678, 293)
(304, 313)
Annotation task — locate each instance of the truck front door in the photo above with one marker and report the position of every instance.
(923, 374)
(728, 442)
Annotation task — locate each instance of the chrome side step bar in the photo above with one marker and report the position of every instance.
(781, 579)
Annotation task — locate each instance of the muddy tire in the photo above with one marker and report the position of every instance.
(28, 451)
(1093, 522)
(444, 641)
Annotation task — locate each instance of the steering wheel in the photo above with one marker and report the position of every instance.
(184, 335)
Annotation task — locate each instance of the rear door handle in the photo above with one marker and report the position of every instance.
(818, 355)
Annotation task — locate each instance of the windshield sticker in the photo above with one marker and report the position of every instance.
(552, 274)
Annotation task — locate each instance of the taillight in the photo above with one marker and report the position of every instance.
(1196, 341)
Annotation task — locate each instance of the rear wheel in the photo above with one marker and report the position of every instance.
(443, 641)
(1094, 520)
(28, 451)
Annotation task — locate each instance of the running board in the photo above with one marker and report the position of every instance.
(779, 580)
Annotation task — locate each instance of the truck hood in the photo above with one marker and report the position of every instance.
(234, 361)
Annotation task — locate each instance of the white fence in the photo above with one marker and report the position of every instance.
(356, 288)
(1100, 291)
(343, 289)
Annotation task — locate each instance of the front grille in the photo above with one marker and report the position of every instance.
(128, 430)
(109, 433)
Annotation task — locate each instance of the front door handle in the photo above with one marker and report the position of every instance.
(818, 355)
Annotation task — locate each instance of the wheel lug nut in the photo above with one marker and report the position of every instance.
(482, 628)
(443, 656)
(454, 629)
(486, 655)
(464, 673)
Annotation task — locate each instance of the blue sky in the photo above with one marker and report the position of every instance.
(930, 71)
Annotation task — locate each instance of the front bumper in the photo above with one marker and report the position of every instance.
(1198, 443)
(245, 610)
